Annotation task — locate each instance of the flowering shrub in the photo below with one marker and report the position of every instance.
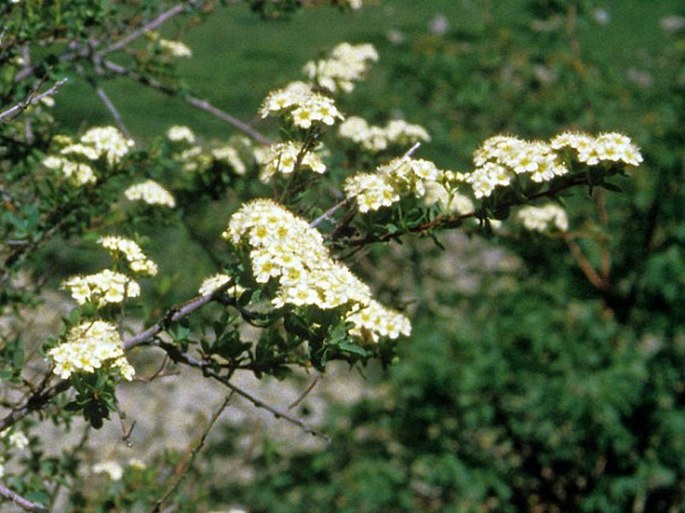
(286, 294)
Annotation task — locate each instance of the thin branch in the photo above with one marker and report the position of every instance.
(185, 465)
(198, 103)
(328, 213)
(151, 25)
(172, 315)
(35, 402)
(601, 203)
(32, 98)
(43, 396)
(308, 390)
(20, 501)
(112, 110)
(597, 281)
(181, 357)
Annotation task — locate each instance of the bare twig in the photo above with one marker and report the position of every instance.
(104, 97)
(605, 243)
(32, 98)
(126, 431)
(181, 357)
(597, 281)
(151, 25)
(172, 315)
(33, 403)
(184, 466)
(307, 391)
(198, 103)
(328, 213)
(20, 501)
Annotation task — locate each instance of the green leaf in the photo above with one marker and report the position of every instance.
(349, 347)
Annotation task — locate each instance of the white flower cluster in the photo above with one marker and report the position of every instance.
(285, 248)
(448, 198)
(175, 48)
(102, 288)
(302, 104)
(501, 158)
(15, 438)
(543, 218)
(230, 156)
(180, 133)
(106, 141)
(612, 147)
(89, 346)
(137, 260)
(151, 193)
(77, 173)
(373, 321)
(346, 65)
(97, 142)
(376, 139)
(283, 157)
(11, 439)
(385, 187)
(212, 283)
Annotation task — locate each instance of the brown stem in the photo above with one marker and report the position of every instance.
(597, 281)
(20, 501)
(32, 98)
(184, 465)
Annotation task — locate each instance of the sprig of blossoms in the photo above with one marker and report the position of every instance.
(541, 219)
(151, 193)
(302, 105)
(137, 260)
(502, 158)
(376, 139)
(282, 158)
(101, 289)
(90, 346)
(77, 173)
(390, 181)
(346, 65)
(374, 321)
(96, 143)
(104, 141)
(284, 248)
(612, 147)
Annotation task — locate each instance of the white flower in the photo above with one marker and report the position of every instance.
(175, 48)
(151, 193)
(541, 219)
(111, 468)
(179, 133)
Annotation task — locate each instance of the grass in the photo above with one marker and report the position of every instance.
(238, 58)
